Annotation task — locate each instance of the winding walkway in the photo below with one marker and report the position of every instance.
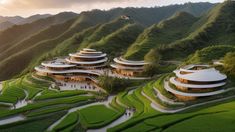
(160, 108)
(106, 103)
(12, 119)
(118, 121)
(21, 103)
(165, 99)
(170, 89)
(1, 86)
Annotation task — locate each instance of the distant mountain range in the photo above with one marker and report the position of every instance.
(6, 22)
(172, 32)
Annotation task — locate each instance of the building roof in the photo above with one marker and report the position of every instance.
(123, 61)
(206, 74)
(87, 62)
(89, 50)
(126, 67)
(177, 83)
(88, 56)
(45, 70)
(57, 63)
(178, 92)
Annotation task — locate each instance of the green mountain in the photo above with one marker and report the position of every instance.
(158, 35)
(216, 27)
(17, 33)
(116, 43)
(153, 34)
(208, 54)
(27, 45)
(33, 18)
(104, 30)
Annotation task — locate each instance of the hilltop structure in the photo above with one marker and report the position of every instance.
(80, 66)
(196, 81)
(127, 67)
(88, 59)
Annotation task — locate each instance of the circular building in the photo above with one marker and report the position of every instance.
(61, 70)
(127, 67)
(88, 59)
(196, 81)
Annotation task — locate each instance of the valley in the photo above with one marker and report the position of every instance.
(159, 69)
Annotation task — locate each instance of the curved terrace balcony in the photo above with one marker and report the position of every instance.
(125, 67)
(130, 63)
(56, 64)
(45, 70)
(178, 92)
(196, 86)
(88, 56)
(87, 62)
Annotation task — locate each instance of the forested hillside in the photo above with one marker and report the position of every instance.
(26, 45)
(161, 34)
(216, 27)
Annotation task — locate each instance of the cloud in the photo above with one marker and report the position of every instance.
(55, 3)
(30, 7)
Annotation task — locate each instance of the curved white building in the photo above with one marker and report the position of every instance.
(80, 66)
(88, 59)
(127, 67)
(195, 81)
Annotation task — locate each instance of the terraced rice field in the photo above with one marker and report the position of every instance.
(28, 104)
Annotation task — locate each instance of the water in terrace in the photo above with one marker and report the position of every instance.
(128, 115)
(12, 119)
(21, 103)
(0, 86)
(120, 120)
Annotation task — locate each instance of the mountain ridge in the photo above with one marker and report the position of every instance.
(85, 20)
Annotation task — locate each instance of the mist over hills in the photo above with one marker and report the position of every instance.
(28, 44)
(7, 22)
(21, 20)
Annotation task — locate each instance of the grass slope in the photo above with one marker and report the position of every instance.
(206, 32)
(41, 45)
(117, 42)
(17, 33)
(158, 35)
(208, 54)
(104, 30)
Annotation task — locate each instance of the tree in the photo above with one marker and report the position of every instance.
(229, 64)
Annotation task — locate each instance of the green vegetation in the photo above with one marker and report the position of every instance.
(69, 120)
(228, 61)
(104, 30)
(27, 45)
(33, 124)
(115, 44)
(208, 54)
(159, 84)
(206, 32)
(64, 94)
(44, 111)
(38, 105)
(158, 35)
(206, 118)
(12, 89)
(223, 119)
(97, 116)
(164, 37)
(115, 85)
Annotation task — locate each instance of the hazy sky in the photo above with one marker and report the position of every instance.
(30, 7)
